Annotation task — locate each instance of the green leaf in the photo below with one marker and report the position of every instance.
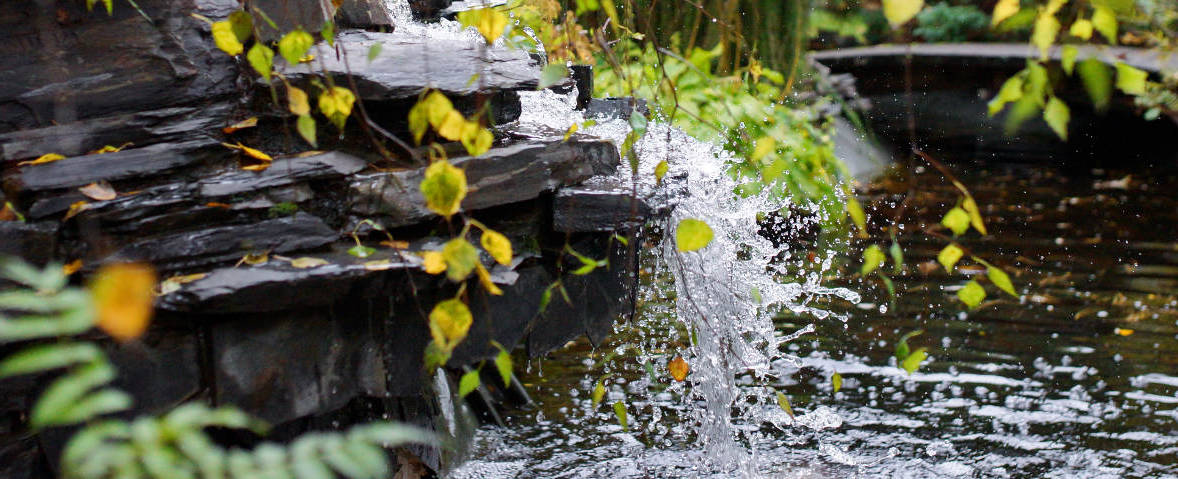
(46, 357)
(899, 12)
(468, 383)
(1004, 9)
(545, 298)
(1098, 82)
(361, 251)
(975, 216)
(552, 74)
(1068, 58)
(783, 403)
(106, 401)
(55, 402)
(912, 362)
(949, 255)
(1131, 80)
(620, 413)
(461, 258)
(972, 294)
(692, 235)
(902, 350)
(225, 39)
(1001, 280)
(242, 25)
(1043, 36)
(836, 381)
(294, 45)
(374, 51)
(957, 220)
(897, 256)
(638, 123)
(328, 32)
(443, 187)
(1082, 29)
(503, 364)
(660, 170)
(1011, 90)
(1105, 22)
(1057, 115)
(261, 57)
(598, 392)
(873, 257)
(306, 128)
(855, 211)
(418, 121)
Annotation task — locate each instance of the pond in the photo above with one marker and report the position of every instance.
(1077, 378)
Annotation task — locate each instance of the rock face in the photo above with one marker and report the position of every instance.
(268, 310)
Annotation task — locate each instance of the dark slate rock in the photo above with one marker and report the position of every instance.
(131, 163)
(160, 370)
(277, 286)
(597, 207)
(615, 107)
(221, 243)
(457, 6)
(280, 367)
(33, 242)
(428, 9)
(60, 63)
(504, 319)
(501, 176)
(289, 15)
(282, 172)
(409, 63)
(140, 129)
(21, 458)
(367, 14)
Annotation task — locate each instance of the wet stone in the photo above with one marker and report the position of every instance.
(136, 163)
(501, 176)
(33, 242)
(368, 14)
(282, 172)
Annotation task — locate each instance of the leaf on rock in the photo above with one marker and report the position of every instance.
(46, 158)
(241, 125)
(100, 191)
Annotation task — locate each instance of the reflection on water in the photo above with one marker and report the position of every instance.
(1079, 378)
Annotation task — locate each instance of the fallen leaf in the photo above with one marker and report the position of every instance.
(71, 267)
(254, 259)
(75, 208)
(46, 158)
(250, 152)
(378, 265)
(172, 284)
(8, 213)
(307, 262)
(257, 167)
(218, 205)
(678, 368)
(109, 149)
(395, 244)
(241, 125)
(1123, 331)
(100, 191)
(123, 298)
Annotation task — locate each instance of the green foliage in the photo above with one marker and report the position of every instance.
(174, 444)
(873, 257)
(949, 23)
(971, 294)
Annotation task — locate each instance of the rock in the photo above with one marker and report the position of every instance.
(609, 108)
(224, 243)
(33, 242)
(161, 369)
(457, 6)
(289, 15)
(409, 63)
(132, 163)
(282, 172)
(60, 63)
(366, 14)
(599, 207)
(501, 176)
(428, 9)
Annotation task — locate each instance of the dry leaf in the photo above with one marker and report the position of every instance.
(678, 368)
(307, 262)
(123, 298)
(109, 149)
(394, 244)
(172, 284)
(254, 259)
(46, 158)
(250, 152)
(71, 267)
(378, 265)
(8, 214)
(309, 153)
(1123, 331)
(101, 191)
(75, 208)
(218, 205)
(241, 125)
(257, 167)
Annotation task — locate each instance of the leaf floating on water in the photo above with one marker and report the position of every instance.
(620, 413)
(972, 294)
(123, 299)
(241, 125)
(836, 381)
(101, 191)
(395, 244)
(692, 235)
(949, 256)
(46, 158)
(912, 362)
(469, 383)
(783, 403)
(307, 262)
(678, 368)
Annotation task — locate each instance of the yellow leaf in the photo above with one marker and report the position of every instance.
(1004, 9)
(476, 139)
(394, 244)
(241, 125)
(461, 258)
(443, 187)
(451, 127)
(975, 216)
(123, 297)
(437, 107)
(307, 262)
(1081, 29)
(1043, 36)
(1105, 22)
(261, 57)
(250, 152)
(1123, 331)
(336, 105)
(765, 146)
(489, 22)
(101, 191)
(485, 280)
(899, 12)
(71, 267)
(497, 245)
(75, 208)
(1131, 80)
(379, 265)
(435, 263)
(225, 39)
(949, 255)
(449, 322)
(257, 167)
(297, 99)
(418, 121)
(254, 259)
(172, 284)
(678, 368)
(109, 149)
(294, 45)
(46, 158)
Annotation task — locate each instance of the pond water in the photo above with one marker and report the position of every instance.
(1078, 378)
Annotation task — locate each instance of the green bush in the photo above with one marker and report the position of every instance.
(947, 23)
